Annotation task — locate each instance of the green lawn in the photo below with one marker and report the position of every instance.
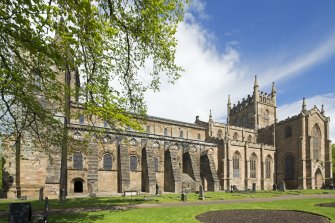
(174, 214)
(187, 214)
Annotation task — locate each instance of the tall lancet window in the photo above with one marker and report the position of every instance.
(236, 165)
(316, 137)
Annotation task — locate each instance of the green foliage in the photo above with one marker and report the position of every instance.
(105, 43)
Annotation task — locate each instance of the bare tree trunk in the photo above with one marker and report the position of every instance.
(63, 171)
(18, 166)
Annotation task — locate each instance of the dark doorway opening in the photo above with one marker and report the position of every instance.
(78, 186)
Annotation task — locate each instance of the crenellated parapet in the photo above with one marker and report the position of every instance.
(266, 98)
(241, 105)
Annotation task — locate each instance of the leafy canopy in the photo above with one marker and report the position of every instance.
(103, 44)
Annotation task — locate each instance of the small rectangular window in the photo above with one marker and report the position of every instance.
(181, 134)
(81, 119)
(199, 136)
(148, 129)
(165, 131)
(105, 124)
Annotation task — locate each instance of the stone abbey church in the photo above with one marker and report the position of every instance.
(174, 156)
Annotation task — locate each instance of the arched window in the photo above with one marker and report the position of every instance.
(199, 136)
(288, 131)
(155, 145)
(236, 165)
(108, 161)
(249, 138)
(235, 136)
(268, 162)
(156, 164)
(77, 136)
(220, 134)
(133, 142)
(316, 135)
(77, 161)
(253, 166)
(289, 168)
(106, 139)
(133, 163)
(266, 118)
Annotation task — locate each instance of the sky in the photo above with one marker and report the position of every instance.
(223, 44)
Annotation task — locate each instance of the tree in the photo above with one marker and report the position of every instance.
(104, 42)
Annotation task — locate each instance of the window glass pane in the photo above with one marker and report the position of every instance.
(133, 163)
(108, 162)
(81, 119)
(77, 161)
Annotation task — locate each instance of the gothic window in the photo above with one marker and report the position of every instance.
(253, 162)
(133, 142)
(236, 165)
(155, 145)
(199, 136)
(77, 161)
(181, 134)
(165, 131)
(133, 163)
(316, 136)
(289, 168)
(105, 124)
(106, 139)
(77, 135)
(249, 138)
(220, 134)
(108, 162)
(268, 162)
(235, 136)
(81, 119)
(266, 118)
(156, 164)
(288, 131)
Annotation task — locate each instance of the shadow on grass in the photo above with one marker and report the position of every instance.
(77, 217)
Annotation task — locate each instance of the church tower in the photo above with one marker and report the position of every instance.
(256, 111)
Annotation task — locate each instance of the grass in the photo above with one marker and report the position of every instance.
(171, 214)
(187, 214)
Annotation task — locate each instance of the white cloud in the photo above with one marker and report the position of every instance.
(328, 100)
(210, 75)
(208, 78)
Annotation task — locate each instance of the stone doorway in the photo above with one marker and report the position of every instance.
(78, 186)
(318, 179)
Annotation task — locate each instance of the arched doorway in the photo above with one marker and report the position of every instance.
(206, 174)
(318, 179)
(78, 186)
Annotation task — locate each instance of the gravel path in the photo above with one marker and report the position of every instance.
(257, 216)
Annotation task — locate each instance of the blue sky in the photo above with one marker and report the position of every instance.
(222, 44)
(266, 28)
